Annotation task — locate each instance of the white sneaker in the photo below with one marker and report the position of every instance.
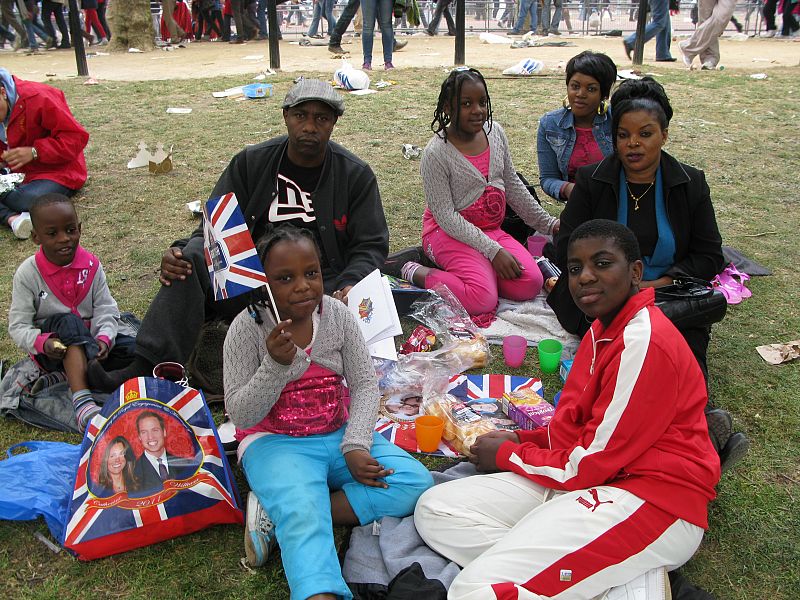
(768, 33)
(653, 585)
(22, 226)
(259, 533)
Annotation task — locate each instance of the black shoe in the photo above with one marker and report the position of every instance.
(734, 451)
(398, 45)
(513, 32)
(336, 49)
(670, 59)
(394, 262)
(628, 50)
(720, 427)
(101, 380)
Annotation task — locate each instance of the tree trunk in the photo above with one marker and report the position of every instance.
(131, 24)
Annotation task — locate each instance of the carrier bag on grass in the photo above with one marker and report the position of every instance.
(151, 468)
(38, 483)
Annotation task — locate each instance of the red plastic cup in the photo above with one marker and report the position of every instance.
(429, 430)
(171, 371)
(514, 349)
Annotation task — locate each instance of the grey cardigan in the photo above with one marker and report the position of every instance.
(32, 302)
(254, 381)
(452, 184)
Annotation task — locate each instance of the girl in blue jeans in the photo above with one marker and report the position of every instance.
(307, 440)
(382, 11)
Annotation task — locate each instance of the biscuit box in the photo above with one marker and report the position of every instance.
(564, 369)
(527, 409)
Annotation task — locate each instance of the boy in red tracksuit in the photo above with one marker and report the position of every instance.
(616, 489)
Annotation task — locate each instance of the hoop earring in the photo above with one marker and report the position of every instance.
(565, 103)
(602, 108)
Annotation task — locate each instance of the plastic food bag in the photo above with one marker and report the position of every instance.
(443, 313)
(462, 425)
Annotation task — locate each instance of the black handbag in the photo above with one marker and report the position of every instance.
(691, 302)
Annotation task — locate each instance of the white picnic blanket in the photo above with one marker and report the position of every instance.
(534, 320)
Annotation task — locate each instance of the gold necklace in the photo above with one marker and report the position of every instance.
(640, 196)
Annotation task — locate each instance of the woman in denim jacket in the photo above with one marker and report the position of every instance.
(580, 133)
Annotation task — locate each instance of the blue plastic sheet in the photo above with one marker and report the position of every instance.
(38, 483)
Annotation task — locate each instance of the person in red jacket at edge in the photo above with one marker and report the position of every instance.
(615, 491)
(40, 138)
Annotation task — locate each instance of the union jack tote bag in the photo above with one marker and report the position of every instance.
(152, 468)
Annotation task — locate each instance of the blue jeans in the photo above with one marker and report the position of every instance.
(20, 199)
(293, 478)
(659, 27)
(33, 29)
(345, 17)
(7, 34)
(525, 6)
(382, 11)
(547, 24)
(261, 17)
(321, 6)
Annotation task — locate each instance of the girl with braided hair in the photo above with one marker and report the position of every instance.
(468, 177)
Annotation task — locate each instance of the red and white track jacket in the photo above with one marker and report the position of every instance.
(631, 416)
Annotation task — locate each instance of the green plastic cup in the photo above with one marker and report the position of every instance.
(549, 355)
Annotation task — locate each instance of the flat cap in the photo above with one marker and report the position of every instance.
(314, 89)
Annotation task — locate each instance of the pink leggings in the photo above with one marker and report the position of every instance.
(470, 275)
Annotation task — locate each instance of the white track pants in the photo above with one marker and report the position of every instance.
(516, 539)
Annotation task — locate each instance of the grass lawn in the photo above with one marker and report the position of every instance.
(742, 132)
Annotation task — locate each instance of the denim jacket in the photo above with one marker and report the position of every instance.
(555, 142)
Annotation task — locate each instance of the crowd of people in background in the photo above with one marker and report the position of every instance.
(33, 25)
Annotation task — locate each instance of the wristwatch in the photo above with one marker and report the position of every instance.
(34, 153)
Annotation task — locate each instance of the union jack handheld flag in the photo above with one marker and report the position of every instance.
(119, 502)
(233, 264)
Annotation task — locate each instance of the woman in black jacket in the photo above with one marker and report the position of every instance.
(666, 203)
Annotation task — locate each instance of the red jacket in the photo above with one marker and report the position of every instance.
(42, 119)
(631, 416)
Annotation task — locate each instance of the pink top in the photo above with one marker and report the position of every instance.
(69, 283)
(315, 403)
(487, 212)
(585, 152)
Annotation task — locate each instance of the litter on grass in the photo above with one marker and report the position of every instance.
(410, 151)
(776, 354)
(173, 110)
(230, 92)
(527, 66)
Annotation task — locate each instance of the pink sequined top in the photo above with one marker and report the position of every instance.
(487, 212)
(315, 403)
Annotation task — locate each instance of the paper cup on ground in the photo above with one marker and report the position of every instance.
(536, 244)
(549, 355)
(514, 349)
(429, 430)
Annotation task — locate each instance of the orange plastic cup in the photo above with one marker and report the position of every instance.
(429, 432)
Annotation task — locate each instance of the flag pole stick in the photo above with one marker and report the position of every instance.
(273, 305)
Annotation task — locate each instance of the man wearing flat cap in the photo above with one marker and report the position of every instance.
(301, 178)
